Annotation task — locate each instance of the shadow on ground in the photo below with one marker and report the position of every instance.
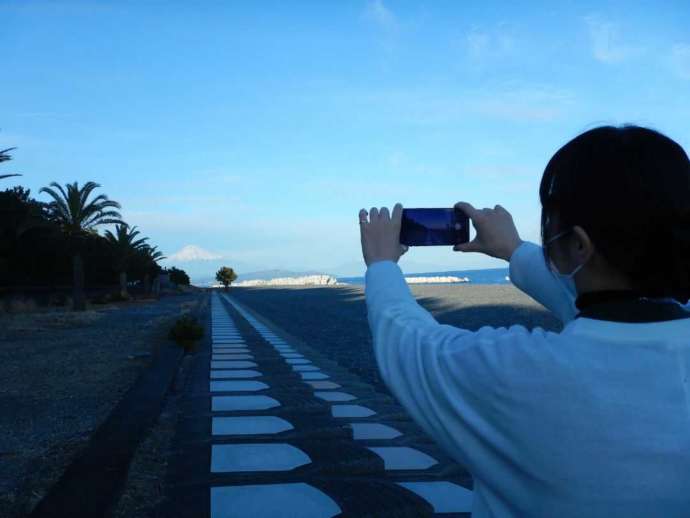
(333, 320)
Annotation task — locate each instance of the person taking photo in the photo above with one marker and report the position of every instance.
(590, 421)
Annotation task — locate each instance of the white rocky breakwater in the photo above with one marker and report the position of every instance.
(434, 280)
(307, 280)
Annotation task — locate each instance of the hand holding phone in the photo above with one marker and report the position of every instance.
(380, 234)
(434, 227)
(496, 236)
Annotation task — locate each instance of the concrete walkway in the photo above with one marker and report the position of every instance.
(269, 431)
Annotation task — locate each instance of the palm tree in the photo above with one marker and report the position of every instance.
(152, 256)
(125, 247)
(5, 156)
(78, 216)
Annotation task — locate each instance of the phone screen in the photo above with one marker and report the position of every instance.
(434, 227)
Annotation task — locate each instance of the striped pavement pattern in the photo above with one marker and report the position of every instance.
(270, 429)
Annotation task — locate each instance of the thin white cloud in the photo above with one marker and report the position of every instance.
(378, 13)
(679, 60)
(606, 42)
(520, 102)
(483, 44)
(526, 103)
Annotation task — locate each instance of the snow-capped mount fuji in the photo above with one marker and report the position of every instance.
(201, 265)
(193, 253)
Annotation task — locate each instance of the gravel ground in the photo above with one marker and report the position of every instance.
(62, 373)
(333, 319)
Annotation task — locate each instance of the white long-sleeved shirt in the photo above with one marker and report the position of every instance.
(592, 421)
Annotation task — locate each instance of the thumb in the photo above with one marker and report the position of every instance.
(470, 246)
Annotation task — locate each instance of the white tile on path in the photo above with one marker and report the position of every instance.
(230, 458)
(293, 500)
(444, 497)
(402, 457)
(323, 385)
(335, 396)
(234, 374)
(249, 425)
(314, 375)
(351, 411)
(223, 356)
(297, 361)
(305, 368)
(363, 431)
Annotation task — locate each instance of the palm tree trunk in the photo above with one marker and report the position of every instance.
(78, 296)
(123, 285)
(147, 284)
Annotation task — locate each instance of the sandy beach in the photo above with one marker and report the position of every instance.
(333, 319)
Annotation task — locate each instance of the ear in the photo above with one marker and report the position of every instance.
(584, 248)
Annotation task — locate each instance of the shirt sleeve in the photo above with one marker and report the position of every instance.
(530, 273)
(442, 375)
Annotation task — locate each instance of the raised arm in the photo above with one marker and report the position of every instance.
(498, 237)
(433, 370)
(529, 272)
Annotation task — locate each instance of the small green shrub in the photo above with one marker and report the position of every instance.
(185, 329)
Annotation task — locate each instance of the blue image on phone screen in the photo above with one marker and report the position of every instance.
(434, 227)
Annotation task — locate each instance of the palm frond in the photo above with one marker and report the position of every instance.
(86, 190)
(58, 206)
(140, 243)
(8, 175)
(110, 222)
(4, 154)
(98, 208)
(75, 213)
(153, 253)
(98, 219)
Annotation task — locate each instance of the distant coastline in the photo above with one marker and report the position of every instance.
(485, 276)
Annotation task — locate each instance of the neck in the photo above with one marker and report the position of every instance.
(590, 281)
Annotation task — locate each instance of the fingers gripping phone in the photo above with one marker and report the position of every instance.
(434, 227)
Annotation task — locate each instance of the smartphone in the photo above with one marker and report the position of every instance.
(434, 227)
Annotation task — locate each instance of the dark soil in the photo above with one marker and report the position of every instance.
(62, 373)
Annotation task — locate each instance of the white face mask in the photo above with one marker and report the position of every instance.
(566, 279)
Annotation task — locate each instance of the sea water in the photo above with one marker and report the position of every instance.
(486, 276)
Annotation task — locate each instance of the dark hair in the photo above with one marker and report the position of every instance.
(629, 188)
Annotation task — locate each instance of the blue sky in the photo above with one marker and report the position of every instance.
(257, 130)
